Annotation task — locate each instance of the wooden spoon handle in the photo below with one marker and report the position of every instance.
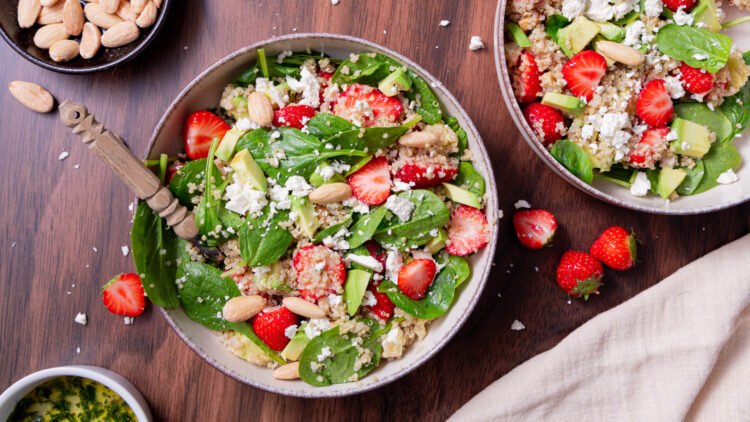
(117, 156)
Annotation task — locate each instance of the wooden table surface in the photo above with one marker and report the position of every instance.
(63, 225)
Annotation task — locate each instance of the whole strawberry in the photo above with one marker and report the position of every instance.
(579, 274)
(615, 248)
(271, 327)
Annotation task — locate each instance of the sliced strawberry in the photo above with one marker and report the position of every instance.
(200, 130)
(654, 105)
(583, 73)
(378, 108)
(325, 75)
(383, 308)
(526, 82)
(295, 116)
(696, 81)
(467, 231)
(421, 176)
(534, 228)
(320, 271)
(416, 276)
(650, 148)
(674, 5)
(271, 327)
(123, 295)
(371, 184)
(545, 121)
(376, 252)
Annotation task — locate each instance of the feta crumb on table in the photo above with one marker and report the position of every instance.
(125, 250)
(445, 22)
(521, 203)
(63, 155)
(81, 318)
(517, 326)
(476, 43)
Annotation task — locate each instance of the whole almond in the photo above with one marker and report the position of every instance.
(330, 193)
(126, 12)
(242, 308)
(99, 17)
(91, 40)
(32, 96)
(73, 17)
(157, 3)
(138, 5)
(120, 34)
(47, 3)
(147, 16)
(259, 109)
(63, 50)
(50, 34)
(28, 11)
(419, 139)
(51, 14)
(109, 6)
(303, 308)
(290, 371)
(621, 53)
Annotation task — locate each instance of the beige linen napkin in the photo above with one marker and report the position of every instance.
(677, 351)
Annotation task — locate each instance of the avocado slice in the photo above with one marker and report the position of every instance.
(240, 102)
(296, 345)
(306, 217)
(576, 36)
(706, 12)
(397, 81)
(692, 138)
(611, 31)
(225, 150)
(273, 279)
(737, 75)
(316, 180)
(354, 289)
(562, 102)
(248, 171)
(461, 195)
(437, 243)
(518, 35)
(669, 180)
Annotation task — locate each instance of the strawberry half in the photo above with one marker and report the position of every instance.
(271, 327)
(383, 307)
(545, 121)
(319, 271)
(674, 5)
(654, 105)
(649, 149)
(295, 116)
(384, 109)
(123, 295)
(467, 231)
(526, 82)
(534, 228)
(696, 81)
(371, 184)
(421, 176)
(200, 130)
(583, 73)
(376, 252)
(615, 248)
(415, 277)
(579, 274)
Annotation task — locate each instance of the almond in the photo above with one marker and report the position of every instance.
(157, 3)
(290, 371)
(47, 3)
(138, 5)
(126, 12)
(259, 109)
(242, 308)
(303, 308)
(419, 139)
(51, 14)
(50, 34)
(63, 50)
(109, 6)
(32, 96)
(91, 40)
(99, 17)
(330, 193)
(120, 34)
(621, 53)
(28, 11)
(73, 17)
(147, 16)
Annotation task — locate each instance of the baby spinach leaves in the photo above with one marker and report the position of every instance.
(437, 299)
(426, 104)
(429, 213)
(460, 267)
(289, 66)
(715, 120)
(366, 68)
(617, 174)
(326, 125)
(211, 215)
(737, 110)
(188, 177)
(463, 140)
(365, 227)
(555, 23)
(203, 295)
(573, 158)
(685, 43)
(692, 180)
(262, 240)
(469, 179)
(335, 355)
(332, 230)
(720, 158)
(371, 139)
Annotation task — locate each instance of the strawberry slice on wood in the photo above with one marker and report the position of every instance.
(123, 295)
(371, 184)
(415, 277)
(534, 228)
(468, 231)
(200, 130)
(271, 327)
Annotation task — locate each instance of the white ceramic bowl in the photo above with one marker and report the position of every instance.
(720, 197)
(204, 92)
(113, 381)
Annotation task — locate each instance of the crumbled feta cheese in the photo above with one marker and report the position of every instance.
(338, 240)
(521, 203)
(298, 186)
(81, 319)
(326, 172)
(682, 18)
(63, 155)
(290, 331)
(324, 353)
(356, 205)
(399, 186)
(393, 264)
(369, 299)
(401, 207)
(243, 198)
(445, 22)
(334, 2)
(517, 326)
(476, 43)
(633, 34)
(340, 167)
(587, 131)
(573, 8)
(334, 299)
(308, 85)
(674, 87)
(125, 250)
(653, 8)
(316, 326)
(245, 124)
(265, 86)
(280, 195)
(727, 177)
(699, 56)
(366, 261)
(641, 185)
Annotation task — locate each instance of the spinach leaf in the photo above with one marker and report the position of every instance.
(211, 215)
(555, 23)
(684, 43)
(365, 227)
(341, 354)
(463, 140)
(692, 180)
(371, 139)
(302, 152)
(436, 301)
(470, 179)
(149, 237)
(262, 240)
(203, 295)
(460, 267)
(617, 174)
(427, 104)
(573, 158)
(653, 177)
(746, 57)
(429, 213)
(290, 66)
(701, 114)
(192, 173)
(737, 110)
(326, 125)
(720, 158)
(366, 68)
(332, 230)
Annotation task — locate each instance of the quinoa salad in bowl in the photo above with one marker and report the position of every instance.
(649, 98)
(346, 207)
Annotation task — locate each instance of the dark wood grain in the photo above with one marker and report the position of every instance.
(55, 214)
